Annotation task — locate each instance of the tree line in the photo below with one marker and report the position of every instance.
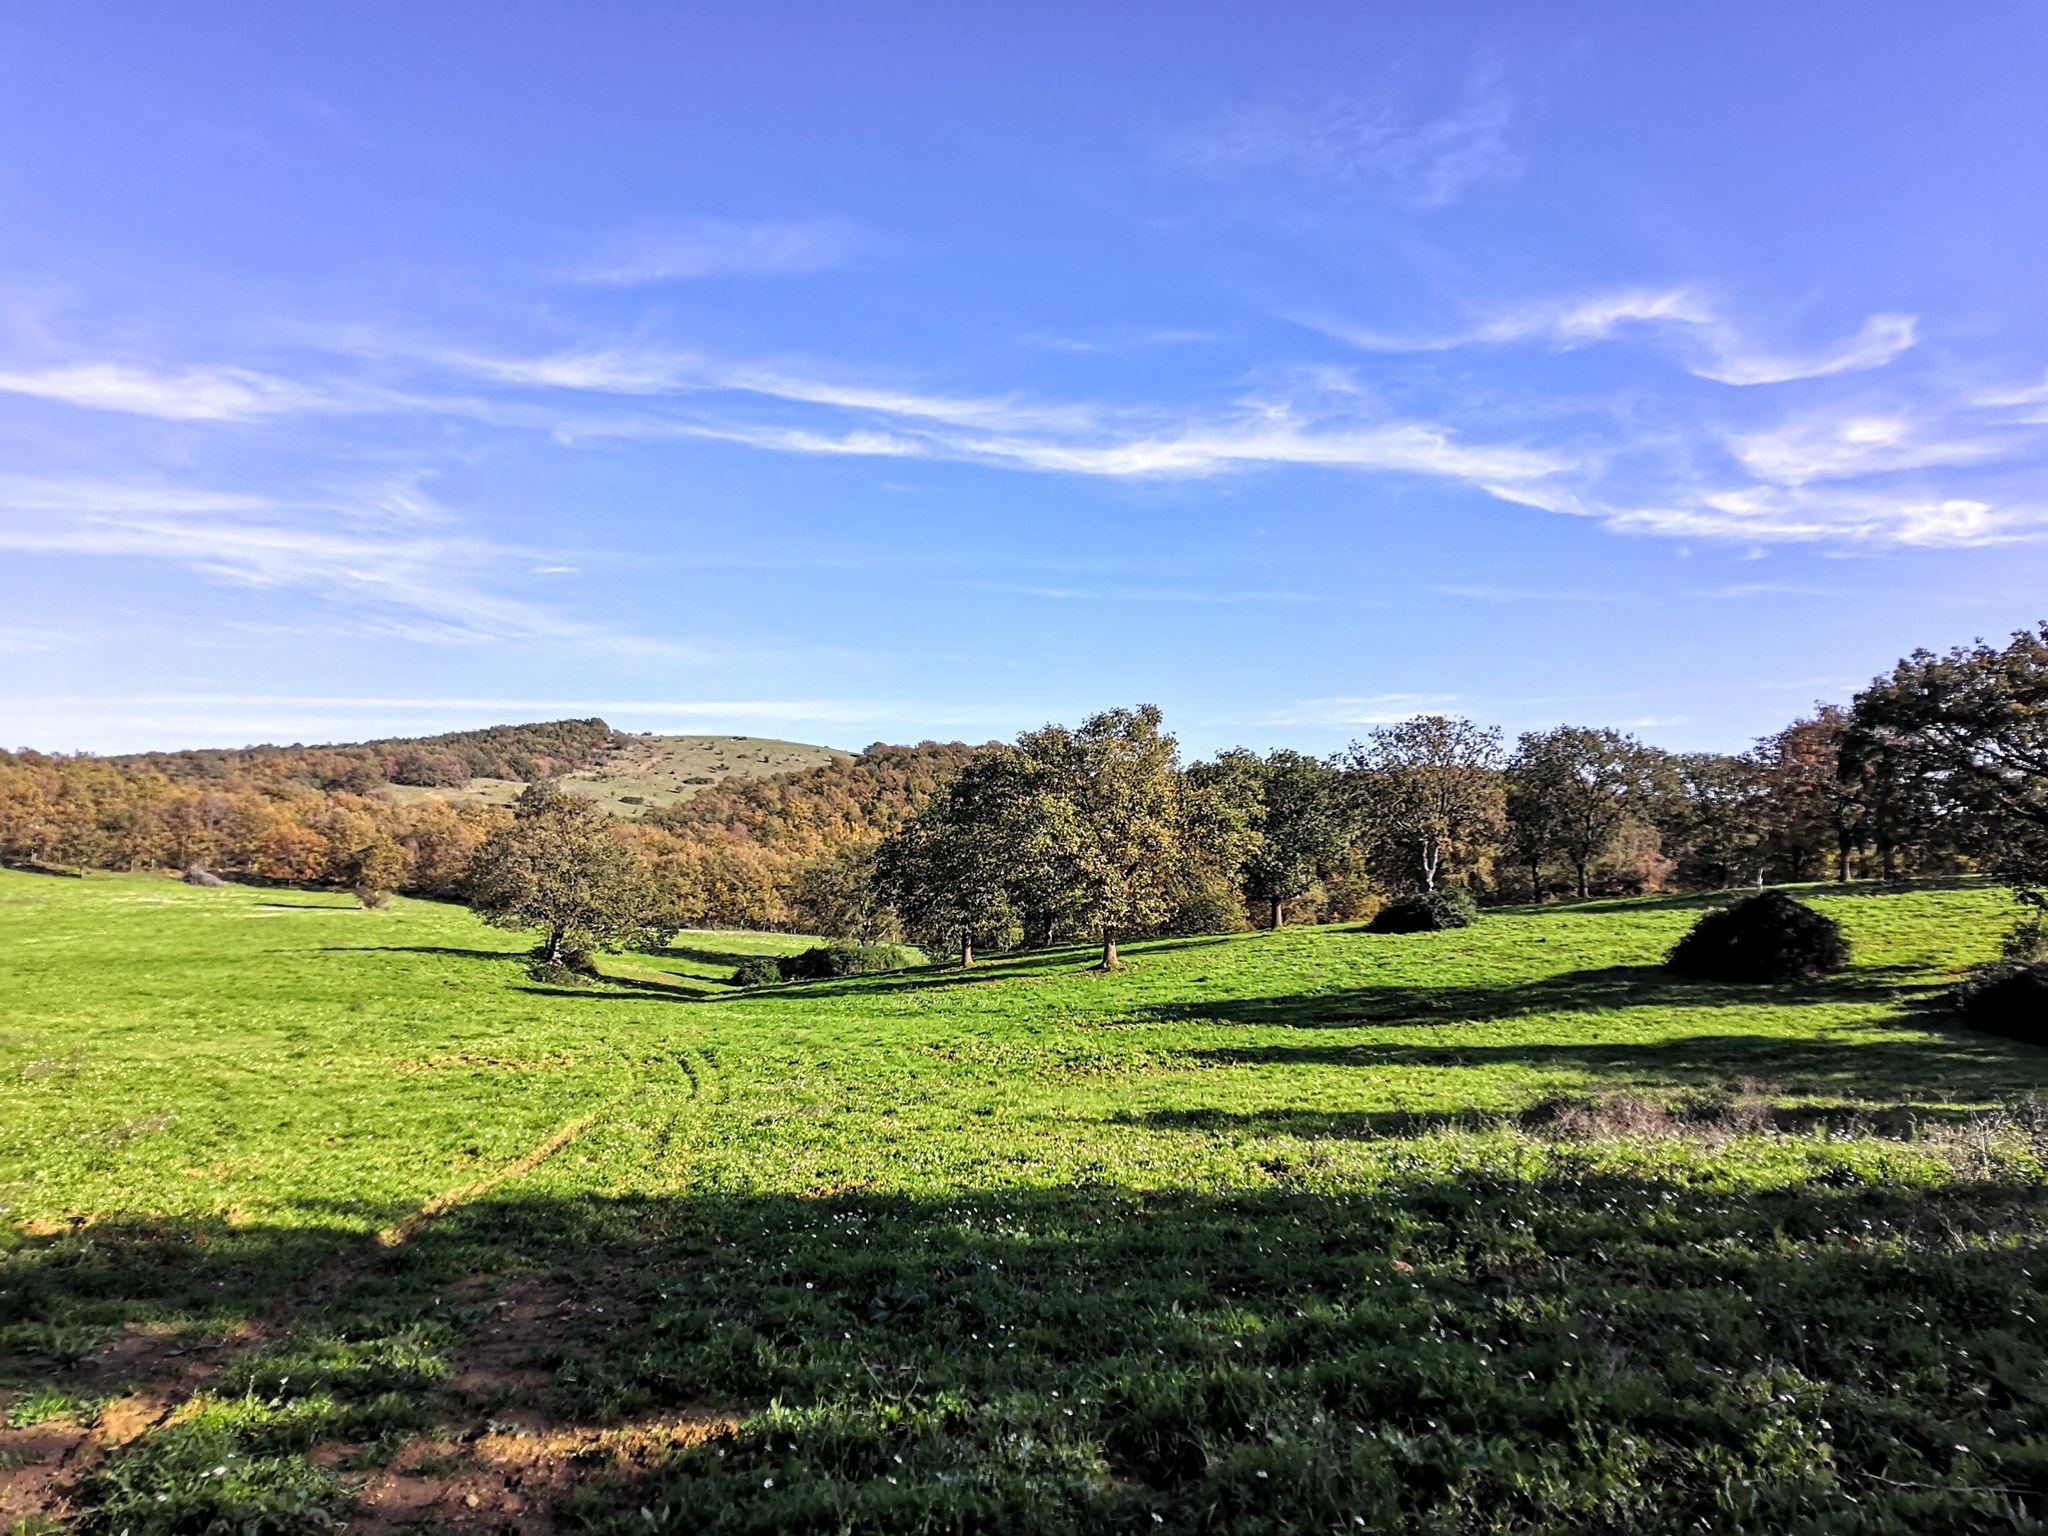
(1939, 767)
(1101, 831)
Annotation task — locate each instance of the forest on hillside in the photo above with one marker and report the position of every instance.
(1940, 767)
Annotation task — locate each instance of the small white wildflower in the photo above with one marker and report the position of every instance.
(767, 1482)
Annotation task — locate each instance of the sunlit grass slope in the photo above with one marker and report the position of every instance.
(1264, 1232)
(179, 1049)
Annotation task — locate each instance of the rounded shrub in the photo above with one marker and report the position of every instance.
(2010, 999)
(828, 960)
(1765, 937)
(760, 971)
(1451, 907)
(554, 973)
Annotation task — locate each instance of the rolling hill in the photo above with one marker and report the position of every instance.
(633, 773)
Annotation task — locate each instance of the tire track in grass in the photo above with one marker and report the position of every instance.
(328, 1280)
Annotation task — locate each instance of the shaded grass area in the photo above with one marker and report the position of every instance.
(1308, 1230)
(1496, 1335)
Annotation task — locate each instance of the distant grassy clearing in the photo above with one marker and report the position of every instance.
(1078, 1249)
(642, 771)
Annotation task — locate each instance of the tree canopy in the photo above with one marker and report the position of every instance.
(558, 867)
(1428, 796)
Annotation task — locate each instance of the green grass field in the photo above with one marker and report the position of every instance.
(318, 1214)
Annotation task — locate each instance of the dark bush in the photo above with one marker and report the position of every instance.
(555, 974)
(829, 960)
(2008, 999)
(1451, 907)
(760, 971)
(1765, 937)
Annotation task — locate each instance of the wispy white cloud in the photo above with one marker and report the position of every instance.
(1805, 514)
(1129, 341)
(2028, 395)
(1422, 159)
(374, 549)
(194, 394)
(1320, 419)
(16, 641)
(1840, 447)
(1565, 323)
(727, 248)
(1882, 338)
(1698, 478)
(1713, 347)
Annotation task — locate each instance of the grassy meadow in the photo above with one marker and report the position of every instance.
(320, 1215)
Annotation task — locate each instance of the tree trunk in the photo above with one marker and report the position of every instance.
(1842, 858)
(966, 949)
(1279, 910)
(1536, 881)
(1108, 950)
(554, 954)
(1580, 866)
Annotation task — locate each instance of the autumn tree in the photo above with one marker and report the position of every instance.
(558, 867)
(1812, 811)
(1428, 795)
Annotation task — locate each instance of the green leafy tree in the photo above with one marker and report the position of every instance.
(1297, 807)
(1573, 788)
(1711, 810)
(1534, 822)
(838, 895)
(1952, 750)
(1429, 795)
(945, 873)
(557, 866)
(1017, 798)
(1114, 797)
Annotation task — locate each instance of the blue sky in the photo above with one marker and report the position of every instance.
(881, 372)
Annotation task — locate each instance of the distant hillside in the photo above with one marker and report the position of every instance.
(622, 771)
(518, 752)
(637, 773)
(849, 799)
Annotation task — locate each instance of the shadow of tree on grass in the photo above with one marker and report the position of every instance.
(1458, 1348)
(1968, 1065)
